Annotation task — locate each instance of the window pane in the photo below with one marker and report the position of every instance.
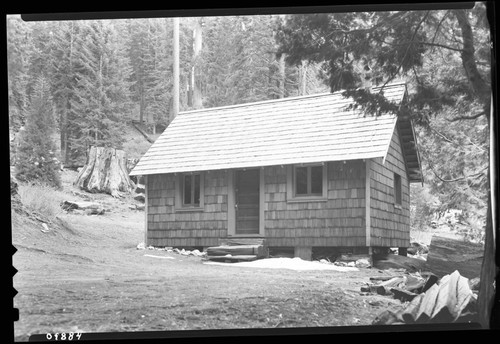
(301, 180)
(317, 179)
(397, 188)
(187, 189)
(197, 189)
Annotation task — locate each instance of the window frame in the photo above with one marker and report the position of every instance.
(398, 190)
(292, 195)
(180, 205)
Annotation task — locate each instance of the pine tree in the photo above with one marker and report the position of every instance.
(19, 53)
(101, 96)
(63, 80)
(36, 152)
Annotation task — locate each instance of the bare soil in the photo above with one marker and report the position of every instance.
(86, 275)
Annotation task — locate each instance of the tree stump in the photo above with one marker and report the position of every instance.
(105, 171)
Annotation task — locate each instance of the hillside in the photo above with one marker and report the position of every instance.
(135, 144)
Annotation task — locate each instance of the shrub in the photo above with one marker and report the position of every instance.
(40, 198)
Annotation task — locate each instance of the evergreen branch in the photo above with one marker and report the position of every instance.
(439, 26)
(442, 46)
(459, 178)
(441, 135)
(389, 22)
(425, 43)
(459, 118)
(406, 52)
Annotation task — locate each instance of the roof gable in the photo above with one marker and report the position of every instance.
(294, 130)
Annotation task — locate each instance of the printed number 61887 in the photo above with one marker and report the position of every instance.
(64, 336)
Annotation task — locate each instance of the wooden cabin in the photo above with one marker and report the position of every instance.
(304, 173)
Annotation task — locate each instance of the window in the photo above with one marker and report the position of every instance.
(191, 190)
(308, 180)
(397, 189)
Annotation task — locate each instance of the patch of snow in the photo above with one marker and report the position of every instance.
(164, 257)
(296, 264)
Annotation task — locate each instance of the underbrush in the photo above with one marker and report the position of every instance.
(41, 198)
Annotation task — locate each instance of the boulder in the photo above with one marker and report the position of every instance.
(140, 188)
(140, 197)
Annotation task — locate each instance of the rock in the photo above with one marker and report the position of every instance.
(150, 247)
(375, 303)
(92, 211)
(351, 264)
(141, 246)
(324, 261)
(363, 263)
(388, 318)
(417, 248)
(196, 253)
(140, 188)
(140, 207)
(45, 228)
(140, 197)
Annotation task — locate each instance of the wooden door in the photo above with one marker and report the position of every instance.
(247, 201)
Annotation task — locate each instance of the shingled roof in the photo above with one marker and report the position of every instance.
(306, 129)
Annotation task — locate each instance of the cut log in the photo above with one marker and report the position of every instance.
(236, 258)
(105, 171)
(91, 208)
(448, 301)
(383, 278)
(447, 255)
(395, 261)
(430, 280)
(403, 294)
(384, 287)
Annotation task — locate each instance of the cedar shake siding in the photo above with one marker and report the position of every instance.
(336, 220)
(339, 220)
(169, 226)
(390, 223)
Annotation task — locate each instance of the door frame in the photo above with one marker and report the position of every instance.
(231, 202)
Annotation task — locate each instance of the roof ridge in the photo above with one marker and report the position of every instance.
(278, 100)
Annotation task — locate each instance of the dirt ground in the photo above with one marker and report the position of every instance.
(86, 275)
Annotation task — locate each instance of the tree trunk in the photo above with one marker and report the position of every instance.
(105, 171)
(197, 44)
(282, 78)
(481, 89)
(176, 68)
(303, 78)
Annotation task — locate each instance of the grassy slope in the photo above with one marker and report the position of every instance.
(134, 143)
